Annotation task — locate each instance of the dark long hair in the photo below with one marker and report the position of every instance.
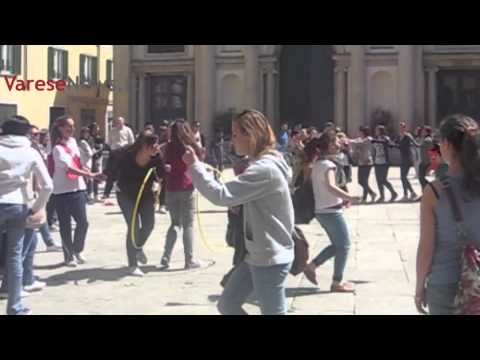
(56, 135)
(463, 134)
(145, 139)
(324, 142)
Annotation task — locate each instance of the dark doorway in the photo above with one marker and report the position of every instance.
(306, 85)
(87, 117)
(168, 98)
(6, 111)
(55, 113)
(459, 92)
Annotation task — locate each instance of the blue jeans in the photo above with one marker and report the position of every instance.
(30, 241)
(337, 231)
(46, 236)
(181, 206)
(68, 206)
(13, 217)
(268, 283)
(441, 298)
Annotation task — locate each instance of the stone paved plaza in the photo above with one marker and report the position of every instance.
(382, 264)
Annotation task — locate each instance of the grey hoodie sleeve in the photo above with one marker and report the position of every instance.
(44, 181)
(255, 183)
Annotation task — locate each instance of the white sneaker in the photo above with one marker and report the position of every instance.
(54, 248)
(137, 272)
(163, 210)
(71, 264)
(194, 264)
(141, 257)
(36, 286)
(80, 259)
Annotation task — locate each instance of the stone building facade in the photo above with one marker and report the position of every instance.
(308, 84)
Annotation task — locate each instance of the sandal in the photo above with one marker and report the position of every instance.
(344, 287)
(310, 274)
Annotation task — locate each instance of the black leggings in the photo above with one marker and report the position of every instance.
(407, 187)
(163, 192)
(51, 212)
(381, 174)
(144, 223)
(422, 173)
(363, 177)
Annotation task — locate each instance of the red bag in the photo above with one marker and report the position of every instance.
(77, 164)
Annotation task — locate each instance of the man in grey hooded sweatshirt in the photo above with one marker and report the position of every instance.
(17, 162)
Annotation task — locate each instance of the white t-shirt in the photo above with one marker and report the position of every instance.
(86, 154)
(61, 183)
(325, 201)
(121, 138)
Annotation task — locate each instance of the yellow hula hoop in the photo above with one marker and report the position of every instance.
(135, 209)
(203, 237)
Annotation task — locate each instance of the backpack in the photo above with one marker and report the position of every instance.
(304, 203)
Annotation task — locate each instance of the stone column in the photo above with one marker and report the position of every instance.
(340, 96)
(142, 98)
(205, 89)
(252, 77)
(432, 96)
(356, 89)
(406, 76)
(420, 114)
(270, 110)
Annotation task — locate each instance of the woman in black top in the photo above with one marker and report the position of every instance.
(132, 165)
(381, 160)
(405, 144)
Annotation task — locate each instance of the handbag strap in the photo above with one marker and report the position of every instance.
(454, 206)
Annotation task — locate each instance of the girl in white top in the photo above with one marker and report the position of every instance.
(329, 203)
(69, 190)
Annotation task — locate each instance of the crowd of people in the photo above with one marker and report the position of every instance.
(370, 149)
(48, 177)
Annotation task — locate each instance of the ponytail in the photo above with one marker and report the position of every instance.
(470, 160)
(463, 134)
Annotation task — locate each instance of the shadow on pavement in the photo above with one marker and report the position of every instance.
(91, 275)
(213, 212)
(49, 267)
(290, 292)
(304, 291)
